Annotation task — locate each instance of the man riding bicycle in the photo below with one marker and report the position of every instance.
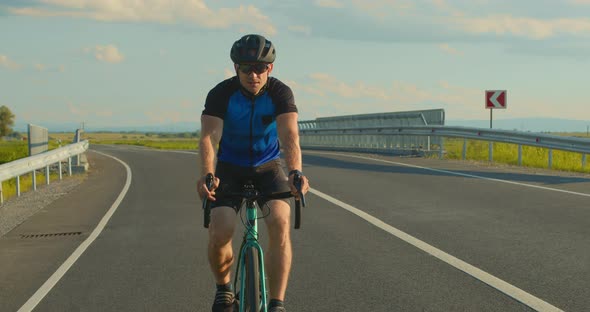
(246, 116)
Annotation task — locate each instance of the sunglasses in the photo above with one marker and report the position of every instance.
(249, 68)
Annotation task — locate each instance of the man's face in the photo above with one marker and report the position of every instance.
(253, 76)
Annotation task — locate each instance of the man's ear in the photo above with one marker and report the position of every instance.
(270, 67)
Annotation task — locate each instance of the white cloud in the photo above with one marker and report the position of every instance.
(525, 26)
(157, 11)
(332, 95)
(107, 53)
(450, 50)
(78, 111)
(383, 8)
(40, 67)
(48, 68)
(329, 83)
(444, 6)
(6, 62)
(507, 24)
(329, 4)
(300, 29)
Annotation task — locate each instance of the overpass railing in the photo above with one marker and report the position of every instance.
(379, 140)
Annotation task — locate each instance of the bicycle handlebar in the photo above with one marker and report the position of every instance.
(298, 203)
(255, 196)
(206, 204)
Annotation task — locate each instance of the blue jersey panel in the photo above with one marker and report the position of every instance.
(249, 131)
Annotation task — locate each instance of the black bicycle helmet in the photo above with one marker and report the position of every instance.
(253, 49)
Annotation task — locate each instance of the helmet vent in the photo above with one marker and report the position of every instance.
(265, 51)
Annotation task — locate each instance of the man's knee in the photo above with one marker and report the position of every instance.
(222, 225)
(279, 223)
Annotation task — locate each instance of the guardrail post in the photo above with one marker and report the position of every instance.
(550, 158)
(441, 146)
(70, 166)
(17, 186)
(59, 167)
(47, 175)
(34, 180)
(583, 161)
(464, 154)
(1, 194)
(520, 154)
(491, 151)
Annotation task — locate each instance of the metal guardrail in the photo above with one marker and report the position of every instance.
(19, 167)
(375, 139)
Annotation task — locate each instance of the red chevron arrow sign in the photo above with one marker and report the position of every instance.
(495, 99)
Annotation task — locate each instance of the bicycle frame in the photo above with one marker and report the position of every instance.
(250, 196)
(251, 240)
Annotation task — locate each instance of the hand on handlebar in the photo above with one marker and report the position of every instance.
(298, 182)
(204, 190)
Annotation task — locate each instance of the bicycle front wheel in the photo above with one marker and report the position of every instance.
(252, 291)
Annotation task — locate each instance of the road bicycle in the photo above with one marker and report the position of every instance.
(250, 278)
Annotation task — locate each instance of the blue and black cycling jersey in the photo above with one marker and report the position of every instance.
(249, 136)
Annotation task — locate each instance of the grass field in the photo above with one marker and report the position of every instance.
(182, 141)
(26, 183)
(505, 153)
(13, 150)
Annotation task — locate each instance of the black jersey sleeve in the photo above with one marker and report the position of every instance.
(218, 99)
(282, 97)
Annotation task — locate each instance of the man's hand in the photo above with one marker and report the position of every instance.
(304, 184)
(204, 192)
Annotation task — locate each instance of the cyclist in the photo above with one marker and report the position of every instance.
(246, 116)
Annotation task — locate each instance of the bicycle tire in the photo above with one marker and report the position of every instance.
(252, 290)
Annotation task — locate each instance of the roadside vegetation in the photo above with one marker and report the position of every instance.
(16, 149)
(505, 153)
(171, 141)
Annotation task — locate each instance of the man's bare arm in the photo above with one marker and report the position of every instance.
(211, 130)
(288, 131)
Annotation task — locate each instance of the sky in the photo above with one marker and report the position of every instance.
(109, 63)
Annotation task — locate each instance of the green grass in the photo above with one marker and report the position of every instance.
(180, 144)
(26, 183)
(13, 150)
(534, 157)
(169, 141)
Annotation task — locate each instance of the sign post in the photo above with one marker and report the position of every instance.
(495, 99)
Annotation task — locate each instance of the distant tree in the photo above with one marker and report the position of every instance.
(6, 121)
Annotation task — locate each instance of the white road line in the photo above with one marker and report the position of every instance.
(460, 174)
(489, 279)
(61, 271)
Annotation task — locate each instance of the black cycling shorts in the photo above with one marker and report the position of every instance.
(268, 178)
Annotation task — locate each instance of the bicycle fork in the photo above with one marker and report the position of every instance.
(251, 240)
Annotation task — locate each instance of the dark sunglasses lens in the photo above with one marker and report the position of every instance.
(257, 68)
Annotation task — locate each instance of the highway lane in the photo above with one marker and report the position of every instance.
(151, 254)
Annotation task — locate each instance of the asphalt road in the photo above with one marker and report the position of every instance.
(428, 235)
